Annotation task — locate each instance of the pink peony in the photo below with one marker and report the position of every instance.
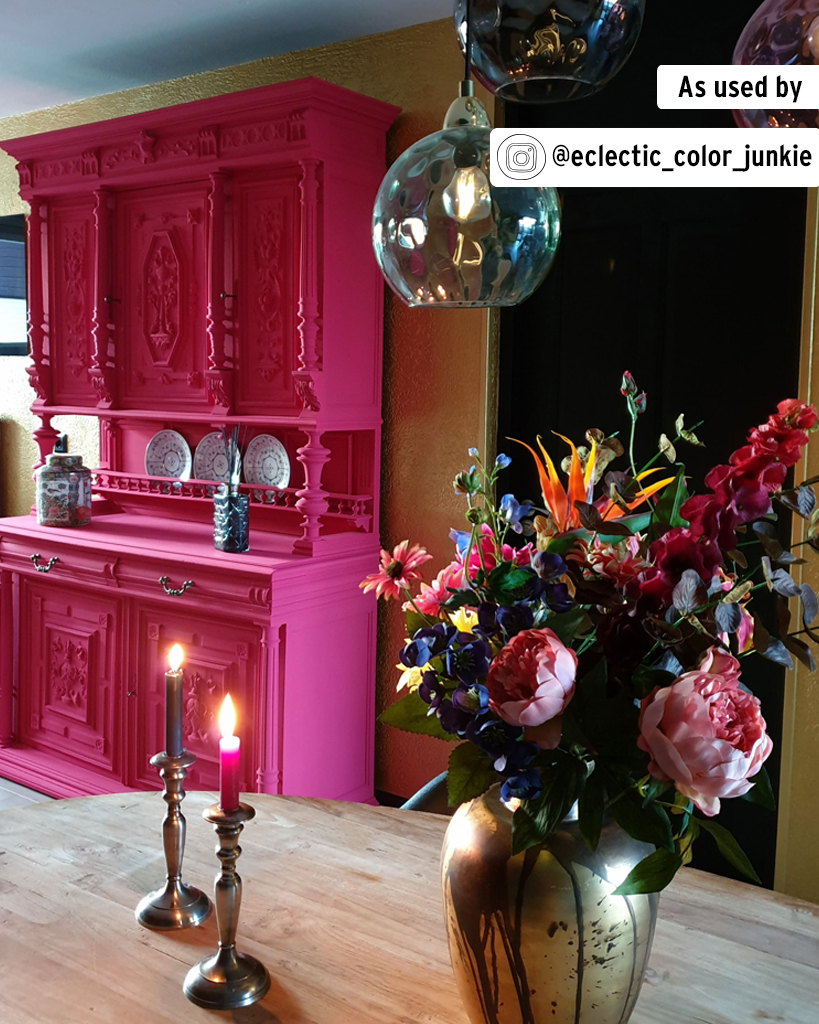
(430, 599)
(704, 733)
(531, 681)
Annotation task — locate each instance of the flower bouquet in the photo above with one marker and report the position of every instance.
(599, 658)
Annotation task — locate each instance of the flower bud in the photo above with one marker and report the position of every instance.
(629, 387)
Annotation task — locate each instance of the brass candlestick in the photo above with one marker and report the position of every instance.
(176, 905)
(227, 979)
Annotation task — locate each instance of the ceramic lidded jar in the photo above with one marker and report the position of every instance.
(63, 489)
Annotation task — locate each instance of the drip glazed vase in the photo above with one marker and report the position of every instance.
(780, 32)
(539, 938)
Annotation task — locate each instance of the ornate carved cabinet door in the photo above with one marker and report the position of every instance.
(220, 657)
(266, 241)
(70, 702)
(161, 279)
(71, 249)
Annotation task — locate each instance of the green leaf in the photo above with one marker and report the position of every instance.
(654, 790)
(667, 509)
(459, 599)
(647, 824)
(652, 874)
(730, 848)
(645, 679)
(762, 791)
(567, 625)
(634, 524)
(535, 819)
(470, 773)
(507, 582)
(591, 805)
(415, 621)
(410, 714)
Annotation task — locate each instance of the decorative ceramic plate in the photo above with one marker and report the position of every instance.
(210, 461)
(266, 462)
(168, 454)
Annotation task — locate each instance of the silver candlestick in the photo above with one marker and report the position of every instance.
(227, 979)
(176, 905)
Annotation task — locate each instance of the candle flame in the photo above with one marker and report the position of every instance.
(227, 717)
(175, 656)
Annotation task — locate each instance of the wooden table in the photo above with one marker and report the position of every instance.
(341, 902)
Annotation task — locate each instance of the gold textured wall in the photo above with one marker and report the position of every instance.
(797, 849)
(436, 379)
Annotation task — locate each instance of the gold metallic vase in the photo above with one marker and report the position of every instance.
(538, 938)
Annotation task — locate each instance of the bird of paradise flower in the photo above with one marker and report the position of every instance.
(561, 501)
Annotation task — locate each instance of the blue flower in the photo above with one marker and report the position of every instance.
(512, 512)
(503, 461)
(431, 691)
(473, 452)
(461, 538)
(525, 786)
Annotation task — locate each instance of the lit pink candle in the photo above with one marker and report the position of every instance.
(228, 758)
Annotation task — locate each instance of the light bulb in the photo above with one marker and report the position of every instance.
(466, 198)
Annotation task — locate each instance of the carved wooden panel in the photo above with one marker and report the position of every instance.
(220, 657)
(69, 702)
(160, 279)
(266, 241)
(71, 248)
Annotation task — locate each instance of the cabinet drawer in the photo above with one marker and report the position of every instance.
(167, 578)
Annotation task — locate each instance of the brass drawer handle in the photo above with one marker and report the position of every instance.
(47, 566)
(165, 580)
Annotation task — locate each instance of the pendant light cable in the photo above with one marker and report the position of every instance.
(468, 47)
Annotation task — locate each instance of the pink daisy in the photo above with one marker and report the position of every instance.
(396, 570)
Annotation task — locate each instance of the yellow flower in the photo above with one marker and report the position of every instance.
(465, 619)
(410, 677)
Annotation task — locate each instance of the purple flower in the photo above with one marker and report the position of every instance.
(513, 619)
(556, 596)
(512, 512)
(469, 661)
(525, 786)
(502, 742)
(468, 703)
(427, 644)
(548, 565)
(431, 691)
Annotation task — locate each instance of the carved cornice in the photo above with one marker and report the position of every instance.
(124, 155)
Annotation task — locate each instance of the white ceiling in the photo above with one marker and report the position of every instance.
(55, 51)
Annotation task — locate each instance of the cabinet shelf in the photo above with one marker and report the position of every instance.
(353, 509)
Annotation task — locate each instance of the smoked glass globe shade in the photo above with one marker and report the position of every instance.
(780, 32)
(549, 51)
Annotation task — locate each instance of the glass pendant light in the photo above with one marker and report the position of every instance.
(780, 32)
(549, 51)
(443, 236)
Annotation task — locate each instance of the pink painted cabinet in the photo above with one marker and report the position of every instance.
(192, 268)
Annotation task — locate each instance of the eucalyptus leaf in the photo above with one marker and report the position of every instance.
(810, 604)
(728, 617)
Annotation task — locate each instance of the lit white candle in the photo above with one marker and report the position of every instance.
(173, 702)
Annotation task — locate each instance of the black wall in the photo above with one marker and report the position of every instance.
(696, 291)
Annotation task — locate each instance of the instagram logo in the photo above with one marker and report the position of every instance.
(521, 156)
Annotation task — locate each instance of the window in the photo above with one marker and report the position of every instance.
(13, 339)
